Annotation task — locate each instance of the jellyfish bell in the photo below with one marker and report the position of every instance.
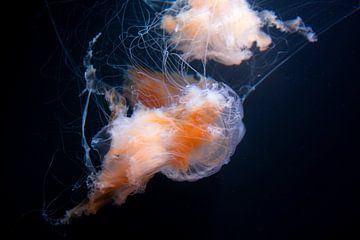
(224, 30)
(185, 131)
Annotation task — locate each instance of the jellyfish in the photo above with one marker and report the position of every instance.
(168, 115)
(224, 30)
(185, 131)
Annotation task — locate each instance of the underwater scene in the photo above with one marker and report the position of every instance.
(183, 119)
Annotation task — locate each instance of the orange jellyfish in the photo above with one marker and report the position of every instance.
(224, 30)
(182, 127)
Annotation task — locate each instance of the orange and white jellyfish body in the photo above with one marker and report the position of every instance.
(186, 129)
(223, 30)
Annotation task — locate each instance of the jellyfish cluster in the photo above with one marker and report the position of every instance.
(183, 125)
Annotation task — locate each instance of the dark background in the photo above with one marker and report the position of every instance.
(294, 175)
